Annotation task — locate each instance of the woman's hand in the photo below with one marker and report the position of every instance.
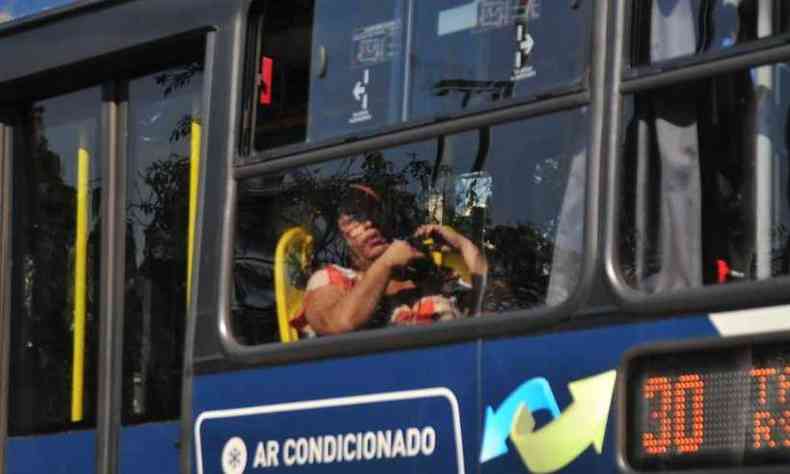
(399, 254)
(473, 257)
(357, 233)
(453, 238)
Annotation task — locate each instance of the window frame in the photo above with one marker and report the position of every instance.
(366, 342)
(626, 81)
(6, 232)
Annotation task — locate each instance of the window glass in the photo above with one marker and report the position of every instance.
(468, 54)
(706, 196)
(666, 29)
(164, 112)
(467, 225)
(360, 86)
(282, 62)
(12, 10)
(55, 271)
(377, 64)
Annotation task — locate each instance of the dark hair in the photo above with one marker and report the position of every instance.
(362, 203)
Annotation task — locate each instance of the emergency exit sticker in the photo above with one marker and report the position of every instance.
(375, 44)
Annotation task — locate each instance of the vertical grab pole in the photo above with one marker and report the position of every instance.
(80, 283)
(764, 152)
(194, 176)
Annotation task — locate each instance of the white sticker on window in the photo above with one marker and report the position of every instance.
(457, 19)
(376, 44)
(360, 93)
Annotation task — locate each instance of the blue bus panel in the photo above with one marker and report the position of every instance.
(527, 404)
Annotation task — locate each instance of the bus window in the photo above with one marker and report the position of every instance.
(468, 225)
(54, 315)
(282, 71)
(667, 29)
(706, 197)
(164, 113)
(360, 85)
(373, 65)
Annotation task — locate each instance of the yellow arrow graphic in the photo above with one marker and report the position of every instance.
(581, 424)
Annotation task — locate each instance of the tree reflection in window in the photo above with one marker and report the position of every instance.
(163, 108)
(531, 180)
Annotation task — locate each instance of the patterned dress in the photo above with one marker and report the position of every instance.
(409, 307)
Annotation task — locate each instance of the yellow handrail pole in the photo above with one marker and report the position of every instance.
(194, 177)
(80, 284)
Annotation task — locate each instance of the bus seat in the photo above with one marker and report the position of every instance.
(291, 260)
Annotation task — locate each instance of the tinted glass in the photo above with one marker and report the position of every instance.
(706, 196)
(13, 10)
(468, 55)
(378, 64)
(340, 247)
(54, 303)
(164, 110)
(361, 86)
(666, 29)
(278, 105)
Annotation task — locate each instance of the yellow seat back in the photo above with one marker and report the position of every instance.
(292, 256)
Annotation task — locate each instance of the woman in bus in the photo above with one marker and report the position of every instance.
(375, 291)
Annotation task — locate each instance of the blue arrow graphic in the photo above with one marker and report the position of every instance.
(535, 394)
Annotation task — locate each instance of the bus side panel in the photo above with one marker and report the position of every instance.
(434, 388)
(69, 452)
(508, 392)
(151, 447)
(586, 357)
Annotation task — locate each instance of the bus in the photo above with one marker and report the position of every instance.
(456, 236)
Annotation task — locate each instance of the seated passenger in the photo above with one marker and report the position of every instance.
(381, 286)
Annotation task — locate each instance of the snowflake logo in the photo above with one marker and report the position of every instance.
(234, 456)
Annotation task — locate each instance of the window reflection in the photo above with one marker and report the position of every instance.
(54, 316)
(164, 109)
(472, 224)
(361, 87)
(707, 189)
(372, 65)
(468, 55)
(667, 29)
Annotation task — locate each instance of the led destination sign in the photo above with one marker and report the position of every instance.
(707, 408)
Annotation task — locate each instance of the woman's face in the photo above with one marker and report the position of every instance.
(364, 238)
(360, 223)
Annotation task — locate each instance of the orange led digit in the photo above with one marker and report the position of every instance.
(694, 385)
(764, 421)
(659, 443)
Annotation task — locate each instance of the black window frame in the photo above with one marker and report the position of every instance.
(628, 80)
(366, 342)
